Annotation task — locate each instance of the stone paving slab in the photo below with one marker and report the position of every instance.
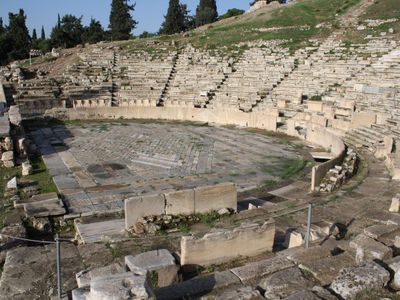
(252, 271)
(113, 230)
(108, 162)
(326, 269)
(194, 288)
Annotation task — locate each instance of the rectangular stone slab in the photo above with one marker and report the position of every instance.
(250, 272)
(138, 207)
(46, 208)
(179, 202)
(215, 197)
(326, 269)
(196, 287)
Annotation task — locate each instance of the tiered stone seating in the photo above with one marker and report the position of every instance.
(257, 72)
(143, 78)
(197, 76)
(89, 83)
(35, 96)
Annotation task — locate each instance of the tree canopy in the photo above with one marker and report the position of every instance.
(206, 12)
(121, 20)
(19, 36)
(68, 32)
(175, 18)
(94, 33)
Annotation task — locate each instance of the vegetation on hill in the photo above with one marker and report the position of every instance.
(233, 12)
(388, 10)
(295, 24)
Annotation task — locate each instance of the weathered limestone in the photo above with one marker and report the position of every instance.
(284, 283)
(199, 200)
(180, 202)
(84, 277)
(26, 169)
(12, 184)
(395, 205)
(160, 261)
(194, 288)
(370, 249)
(254, 271)
(225, 245)
(138, 207)
(8, 159)
(328, 268)
(243, 293)
(120, 287)
(207, 198)
(356, 279)
(395, 267)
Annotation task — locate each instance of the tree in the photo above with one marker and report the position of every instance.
(175, 18)
(34, 35)
(68, 32)
(34, 40)
(206, 12)
(232, 13)
(121, 20)
(42, 34)
(189, 21)
(2, 29)
(94, 33)
(19, 34)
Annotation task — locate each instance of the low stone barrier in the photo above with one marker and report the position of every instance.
(198, 200)
(225, 245)
(320, 136)
(266, 121)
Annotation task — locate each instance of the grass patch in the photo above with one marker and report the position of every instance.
(285, 168)
(209, 218)
(41, 176)
(383, 9)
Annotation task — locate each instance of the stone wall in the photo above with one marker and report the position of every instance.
(199, 200)
(218, 116)
(322, 137)
(225, 245)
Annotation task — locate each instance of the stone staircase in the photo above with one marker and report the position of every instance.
(172, 74)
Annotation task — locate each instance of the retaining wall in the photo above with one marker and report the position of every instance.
(266, 121)
(322, 137)
(199, 200)
(225, 245)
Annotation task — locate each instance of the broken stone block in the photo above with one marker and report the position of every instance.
(160, 261)
(84, 277)
(12, 184)
(120, 287)
(356, 279)
(293, 239)
(328, 268)
(371, 249)
(395, 266)
(243, 293)
(284, 283)
(8, 144)
(376, 231)
(26, 169)
(395, 206)
(8, 155)
(80, 294)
